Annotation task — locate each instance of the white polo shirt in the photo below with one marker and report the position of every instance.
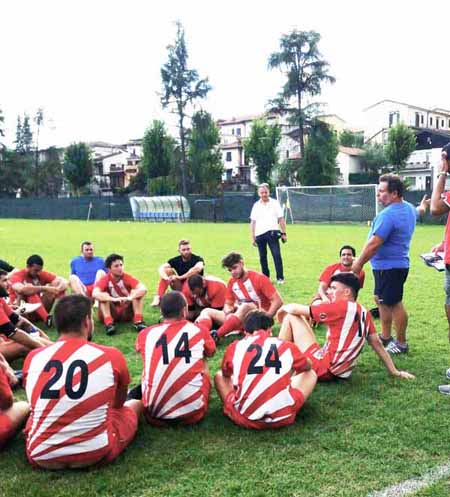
(266, 215)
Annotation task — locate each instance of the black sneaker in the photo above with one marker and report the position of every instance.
(375, 312)
(385, 341)
(110, 329)
(49, 321)
(139, 326)
(214, 335)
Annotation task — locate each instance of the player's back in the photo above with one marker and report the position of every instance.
(173, 376)
(71, 386)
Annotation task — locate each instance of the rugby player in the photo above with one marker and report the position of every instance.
(246, 291)
(349, 326)
(202, 292)
(86, 270)
(264, 380)
(121, 296)
(175, 376)
(77, 391)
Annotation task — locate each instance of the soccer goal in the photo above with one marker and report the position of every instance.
(340, 203)
(157, 209)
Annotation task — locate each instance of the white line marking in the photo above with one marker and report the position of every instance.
(413, 485)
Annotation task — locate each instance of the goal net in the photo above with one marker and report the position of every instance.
(170, 208)
(350, 203)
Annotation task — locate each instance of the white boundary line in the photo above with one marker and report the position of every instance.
(412, 486)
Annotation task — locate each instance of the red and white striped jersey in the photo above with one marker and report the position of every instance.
(337, 268)
(349, 325)
(117, 288)
(260, 367)
(173, 376)
(214, 294)
(71, 386)
(256, 288)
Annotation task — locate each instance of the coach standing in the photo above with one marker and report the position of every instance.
(265, 220)
(387, 248)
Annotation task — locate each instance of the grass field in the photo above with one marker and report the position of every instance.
(351, 438)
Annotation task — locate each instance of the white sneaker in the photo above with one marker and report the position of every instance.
(280, 282)
(27, 308)
(156, 300)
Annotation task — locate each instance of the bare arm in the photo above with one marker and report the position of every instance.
(28, 341)
(198, 268)
(97, 294)
(275, 304)
(438, 206)
(59, 283)
(368, 251)
(138, 292)
(30, 289)
(378, 348)
(295, 309)
(162, 271)
(228, 307)
(322, 291)
(282, 223)
(252, 230)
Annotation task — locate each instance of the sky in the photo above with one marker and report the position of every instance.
(94, 65)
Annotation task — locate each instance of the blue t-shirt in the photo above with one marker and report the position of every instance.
(86, 269)
(395, 225)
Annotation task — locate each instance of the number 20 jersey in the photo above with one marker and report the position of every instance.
(71, 386)
(260, 367)
(173, 377)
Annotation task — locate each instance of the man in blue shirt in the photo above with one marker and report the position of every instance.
(85, 270)
(387, 248)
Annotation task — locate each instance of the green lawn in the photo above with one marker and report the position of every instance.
(351, 437)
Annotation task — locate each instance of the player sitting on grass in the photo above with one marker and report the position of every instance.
(86, 270)
(202, 292)
(264, 380)
(349, 325)
(346, 254)
(12, 414)
(36, 286)
(175, 376)
(177, 270)
(246, 291)
(120, 295)
(77, 393)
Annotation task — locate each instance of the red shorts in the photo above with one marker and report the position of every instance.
(6, 429)
(240, 420)
(320, 362)
(89, 289)
(119, 312)
(191, 418)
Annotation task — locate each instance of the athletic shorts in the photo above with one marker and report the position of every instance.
(389, 285)
(320, 362)
(89, 289)
(6, 429)
(447, 284)
(230, 410)
(119, 312)
(189, 419)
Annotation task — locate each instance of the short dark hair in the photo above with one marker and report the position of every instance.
(85, 243)
(183, 241)
(172, 304)
(70, 312)
(347, 247)
(350, 280)
(35, 259)
(112, 258)
(257, 320)
(394, 183)
(231, 259)
(195, 281)
(3, 272)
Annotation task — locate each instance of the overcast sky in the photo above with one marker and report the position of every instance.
(94, 66)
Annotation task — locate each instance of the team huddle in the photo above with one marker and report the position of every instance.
(81, 410)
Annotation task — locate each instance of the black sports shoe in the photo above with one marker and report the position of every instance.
(139, 326)
(375, 312)
(49, 321)
(135, 393)
(110, 329)
(214, 335)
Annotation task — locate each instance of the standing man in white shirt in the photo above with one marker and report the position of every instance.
(268, 226)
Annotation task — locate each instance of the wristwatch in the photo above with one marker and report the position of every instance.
(442, 173)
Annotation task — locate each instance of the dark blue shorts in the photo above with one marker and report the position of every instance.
(389, 285)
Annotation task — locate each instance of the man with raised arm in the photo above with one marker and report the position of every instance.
(77, 391)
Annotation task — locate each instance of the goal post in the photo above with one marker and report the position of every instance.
(333, 203)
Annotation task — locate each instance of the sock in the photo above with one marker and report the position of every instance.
(204, 322)
(137, 318)
(41, 311)
(162, 287)
(231, 323)
(108, 320)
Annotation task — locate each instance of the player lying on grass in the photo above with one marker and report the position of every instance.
(246, 291)
(33, 285)
(346, 255)
(77, 391)
(202, 292)
(264, 380)
(121, 296)
(86, 270)
(15, 340)
(349, 325)
(175, 376)
(12, 414)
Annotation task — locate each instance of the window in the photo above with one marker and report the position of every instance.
(232, 131)
(442, 123)
(229, 173)
(287, 154)
(238, 131)
(228, 159)
(421, 119)
(417, 119)
(431, 121)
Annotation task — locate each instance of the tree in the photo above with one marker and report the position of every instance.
(401, 143)
(374, 159)
(78, 166)
(158, 151)
(305, 70)
(181, 86)
(14, 169)
(261, 148)
(348, 138)
(2, 130)
(27, 135)
(287, 172)
(49, 174)
(205, 159)
(319, 164)
(39, 121)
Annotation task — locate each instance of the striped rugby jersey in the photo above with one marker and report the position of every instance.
(257, 288)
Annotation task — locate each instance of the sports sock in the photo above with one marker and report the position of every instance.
(162, 287)
(231, 323)
(108, 320)
(137, 318)
(204, 322)
(41, 311)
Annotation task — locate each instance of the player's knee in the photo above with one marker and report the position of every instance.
(74, 280)
(99, 274)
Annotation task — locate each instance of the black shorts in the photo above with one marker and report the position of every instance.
(389, 285)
